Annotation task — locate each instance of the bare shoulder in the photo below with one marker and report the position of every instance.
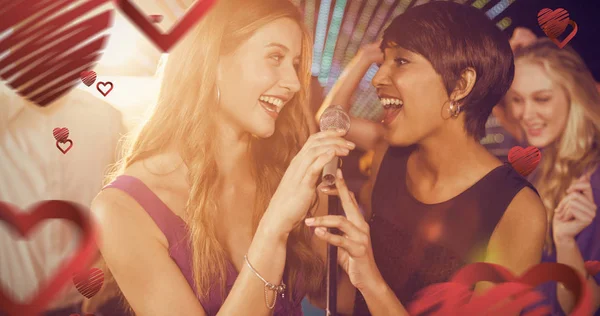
(527, 205)
(118, 214)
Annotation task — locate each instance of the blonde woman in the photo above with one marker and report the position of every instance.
(204, 215)
(555, 100)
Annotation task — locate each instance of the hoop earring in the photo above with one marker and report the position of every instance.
(454, 109)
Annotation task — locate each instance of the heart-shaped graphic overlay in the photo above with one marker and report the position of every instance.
(104, 84)
(524, 161)
(23, 224)
(88, 77)
(554, 23)
(61, 134)
(45, 36)
(455, 297)
(89, 283)
(165, 41)
(66, 150)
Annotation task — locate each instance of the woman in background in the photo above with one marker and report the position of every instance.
(203, 214)
(555, 100)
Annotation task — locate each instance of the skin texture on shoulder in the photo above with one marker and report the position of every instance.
(127, 252)
(518, 238)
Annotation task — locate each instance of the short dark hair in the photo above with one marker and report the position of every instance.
(453, 37)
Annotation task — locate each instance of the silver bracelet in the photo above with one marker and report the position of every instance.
(278, 289)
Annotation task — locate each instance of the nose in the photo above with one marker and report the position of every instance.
(382, 77)
(528, 111)
(290, 80)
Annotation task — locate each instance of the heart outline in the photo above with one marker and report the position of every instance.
(466, 277)
(64, 142)
(165, 41)
(104, 84)
(84, 255)
(568, 38)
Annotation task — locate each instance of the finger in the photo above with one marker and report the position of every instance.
(326, 189)
(339, 222)
(348, 203)
(353, 248)
(580, 185)
(326, 141)
(313, 168)
(583, 200)
(581, 215)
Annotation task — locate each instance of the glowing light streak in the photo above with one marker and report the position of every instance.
(320, 33)
(334, 31)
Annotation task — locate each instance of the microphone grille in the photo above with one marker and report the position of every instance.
(334, 117)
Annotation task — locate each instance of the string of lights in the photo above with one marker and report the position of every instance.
(359, 32)
(309, 15)
(332, 36)
(498, 8)
(320, 32)
(349, 22)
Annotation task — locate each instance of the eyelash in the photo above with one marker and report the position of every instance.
(542, 100)
(280, 56)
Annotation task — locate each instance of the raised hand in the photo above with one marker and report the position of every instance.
(371, 53)
(355, 254)
(575, 211)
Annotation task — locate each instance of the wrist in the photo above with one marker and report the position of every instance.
(564, 241)
(273, 229)
(377, 288)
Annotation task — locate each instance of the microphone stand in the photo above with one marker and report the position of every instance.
(333, 208)
(332, 264)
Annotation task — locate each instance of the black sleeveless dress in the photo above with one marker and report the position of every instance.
(416, 244)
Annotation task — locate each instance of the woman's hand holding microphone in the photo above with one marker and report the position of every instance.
(297, 189)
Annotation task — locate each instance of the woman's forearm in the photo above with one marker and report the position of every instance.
(382, 301)
(346, 85)
(567, 252)
(266, 254)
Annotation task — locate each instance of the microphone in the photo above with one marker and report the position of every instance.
(334, 117)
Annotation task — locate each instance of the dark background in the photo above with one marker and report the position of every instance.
(586, 13)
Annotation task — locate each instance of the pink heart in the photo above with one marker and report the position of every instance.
(554, 23)
(88, 77)
(89, 283)
(43, 33)
(61, 134)
(165, 41)
(524, 161)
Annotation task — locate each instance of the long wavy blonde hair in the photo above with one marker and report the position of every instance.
(577, 149)
(184, 116)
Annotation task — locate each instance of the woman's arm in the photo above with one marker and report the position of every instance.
(567, 252)
(137, 254)
(363, 132)
(518, 239)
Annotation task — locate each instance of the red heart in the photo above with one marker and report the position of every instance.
(64, 151)
(104, 84)
(43, 34)
(524, 161)
(592, 267)
(554, 23)
(88, 77)
(454, 295)
(165, 41)
(88, 283)
(83, 257)
(61, 134)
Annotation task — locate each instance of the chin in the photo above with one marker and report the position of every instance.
(539, 142)
(399, 139)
